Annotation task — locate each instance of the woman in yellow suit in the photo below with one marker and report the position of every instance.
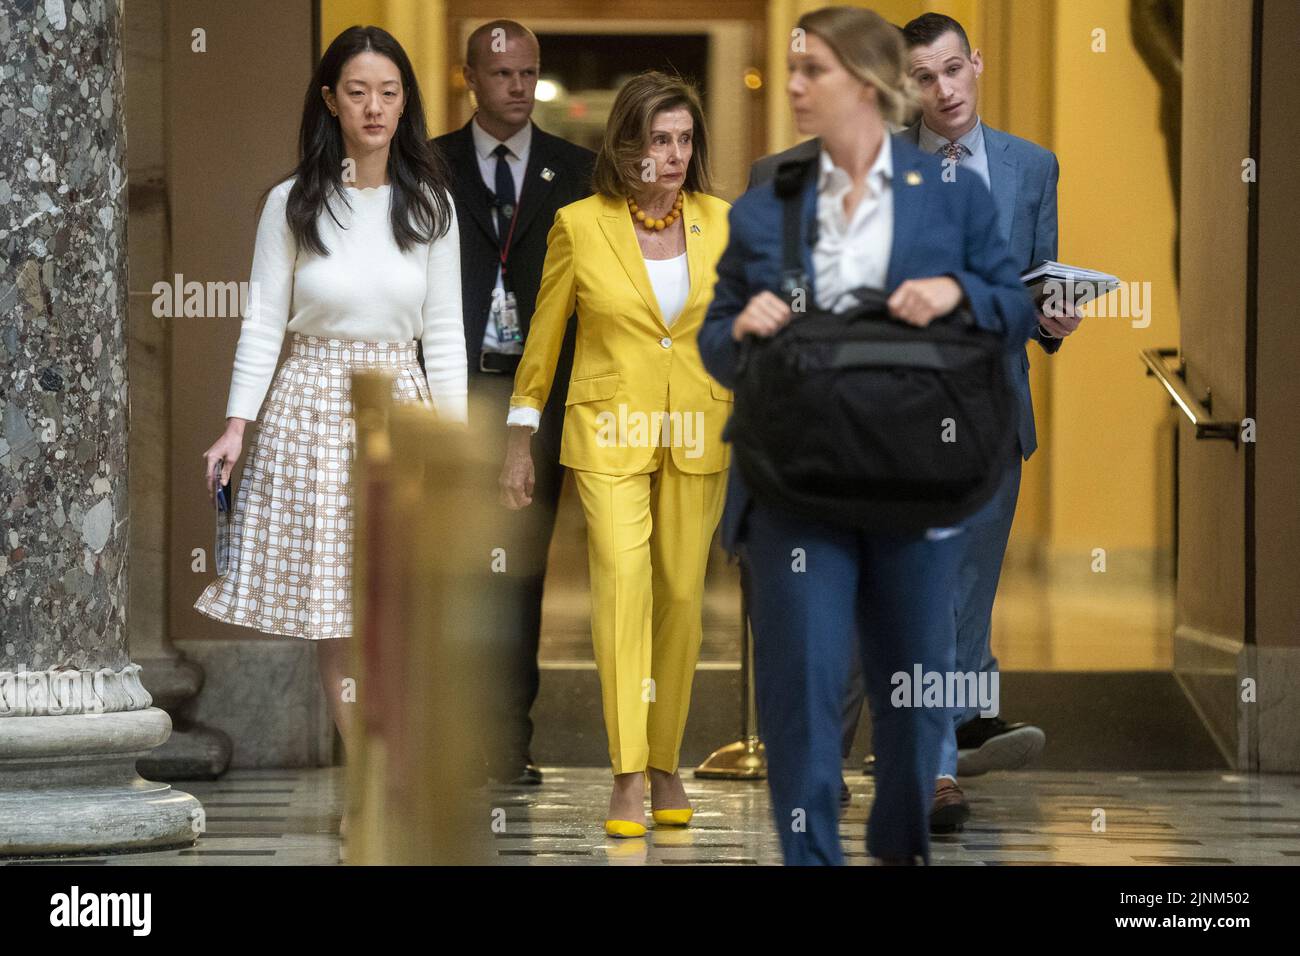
(643, 422)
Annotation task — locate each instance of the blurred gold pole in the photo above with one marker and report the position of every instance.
(366, 756)
(420, 602)
(745, 759)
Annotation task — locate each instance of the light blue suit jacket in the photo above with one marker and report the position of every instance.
(1022, 178)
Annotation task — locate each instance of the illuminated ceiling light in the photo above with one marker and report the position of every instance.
(547, 90)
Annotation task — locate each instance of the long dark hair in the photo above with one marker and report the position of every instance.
(419, 210)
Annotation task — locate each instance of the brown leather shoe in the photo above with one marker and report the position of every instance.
(950, 809)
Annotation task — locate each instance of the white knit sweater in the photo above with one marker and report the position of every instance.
(366, 289)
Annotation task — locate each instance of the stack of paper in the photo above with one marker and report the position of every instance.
(1059, 283)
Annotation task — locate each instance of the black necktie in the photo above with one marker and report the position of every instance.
(505, 192)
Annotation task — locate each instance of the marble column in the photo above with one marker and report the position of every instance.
(74, 716)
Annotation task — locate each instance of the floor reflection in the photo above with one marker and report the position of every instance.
(285, 817)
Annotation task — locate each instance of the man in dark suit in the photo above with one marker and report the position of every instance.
(508, 179)
(1022, 178)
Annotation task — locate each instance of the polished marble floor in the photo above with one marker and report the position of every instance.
(290, 817)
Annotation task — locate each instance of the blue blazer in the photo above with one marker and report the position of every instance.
(1022, 178)
(939, 229)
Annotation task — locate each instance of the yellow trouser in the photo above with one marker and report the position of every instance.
(648, 539)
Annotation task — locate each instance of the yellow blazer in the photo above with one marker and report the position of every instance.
(637, 383)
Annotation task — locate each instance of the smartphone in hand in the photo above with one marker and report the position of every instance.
(222, 496)
(223, 502)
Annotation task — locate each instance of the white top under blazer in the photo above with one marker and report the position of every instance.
(672, 284)
(366, 289)
(671, 280)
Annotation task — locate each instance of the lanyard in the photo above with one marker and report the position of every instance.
(504, 251)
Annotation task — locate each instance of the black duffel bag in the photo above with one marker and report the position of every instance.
(860, 420)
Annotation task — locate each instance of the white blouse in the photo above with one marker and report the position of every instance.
(365, 289)
(672, 284)
(851, 253)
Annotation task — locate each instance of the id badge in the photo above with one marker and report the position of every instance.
(505, 315)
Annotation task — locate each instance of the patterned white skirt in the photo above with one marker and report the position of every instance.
(290, 568)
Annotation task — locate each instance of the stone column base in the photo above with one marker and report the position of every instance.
(68, 784)
(194, 751)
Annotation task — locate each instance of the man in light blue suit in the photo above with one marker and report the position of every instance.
(1022, 178)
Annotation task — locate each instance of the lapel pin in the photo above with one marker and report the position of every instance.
(548, 174)
(695, 229)
(913, 178)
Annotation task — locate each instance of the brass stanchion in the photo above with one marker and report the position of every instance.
(745, 759)
(414, 794)
(373, 602)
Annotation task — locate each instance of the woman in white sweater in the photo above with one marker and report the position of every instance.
(357, 258)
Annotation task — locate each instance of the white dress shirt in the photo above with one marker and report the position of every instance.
(517, 162)
(852, 252)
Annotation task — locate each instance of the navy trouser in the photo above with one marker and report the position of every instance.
(977, 584)
(818, 596)
(983, 549)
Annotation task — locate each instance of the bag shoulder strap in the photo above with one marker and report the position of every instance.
(789, 185)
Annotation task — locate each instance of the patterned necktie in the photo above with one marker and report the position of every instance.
(954, 151)
(505, 192)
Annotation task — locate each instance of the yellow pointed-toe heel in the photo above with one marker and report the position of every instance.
(624, 828)
(673, 818)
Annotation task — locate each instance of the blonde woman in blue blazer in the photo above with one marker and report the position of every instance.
(886, 218)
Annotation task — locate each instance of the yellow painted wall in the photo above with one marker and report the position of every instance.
(1108, 487)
